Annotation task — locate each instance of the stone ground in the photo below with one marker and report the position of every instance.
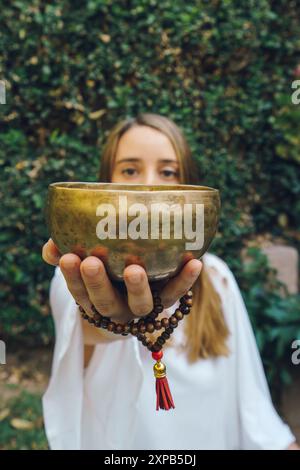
(29, 370)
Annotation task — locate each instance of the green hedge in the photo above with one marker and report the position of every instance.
(221, 69)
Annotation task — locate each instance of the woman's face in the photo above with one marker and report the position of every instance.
(145, 156)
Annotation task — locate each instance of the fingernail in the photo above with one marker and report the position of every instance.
(196, 272)
(67, 265)
(135, 278)
(91, 270)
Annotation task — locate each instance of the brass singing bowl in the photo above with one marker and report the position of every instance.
(71, 215)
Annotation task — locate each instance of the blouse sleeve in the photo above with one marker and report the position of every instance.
(260, 425)
(68, 396)
(62, 401)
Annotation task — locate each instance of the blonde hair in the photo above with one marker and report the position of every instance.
(205, 327)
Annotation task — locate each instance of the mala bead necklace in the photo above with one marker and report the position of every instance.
(140, 328)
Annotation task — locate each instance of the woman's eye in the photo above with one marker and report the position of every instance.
(169, 173)
(129, 171)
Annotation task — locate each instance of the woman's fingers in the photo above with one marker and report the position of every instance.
(138, 290)
(88, 283)
(70, 267)
(50, 253)
(177, 287)
(100, 290)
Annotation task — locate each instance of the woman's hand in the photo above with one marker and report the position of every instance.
(88, 283)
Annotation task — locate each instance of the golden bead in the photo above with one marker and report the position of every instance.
(159, 370)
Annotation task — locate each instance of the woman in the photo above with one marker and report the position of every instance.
(101, 392)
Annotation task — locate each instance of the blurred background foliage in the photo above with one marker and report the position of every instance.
(26, 433)
(222, 69)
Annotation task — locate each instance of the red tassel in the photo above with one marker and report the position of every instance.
(164, 400)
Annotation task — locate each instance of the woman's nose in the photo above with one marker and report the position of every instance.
(151, 178)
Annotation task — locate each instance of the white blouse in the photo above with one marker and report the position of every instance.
(221, 403)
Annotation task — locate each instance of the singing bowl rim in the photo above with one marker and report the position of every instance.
(125, 187)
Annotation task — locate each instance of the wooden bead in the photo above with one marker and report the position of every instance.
(126, 329)
(91, 320)
(158, 308)
(150, 328)
(157, 324)
(165, 322)
(134, 330)
(161, 341)
(169, 330)
(156, 347)
(152, 315)
(165, 335)
(146, 341)
(104, 323)
(110, 326)
(142, 328)
(173, 321)
(178, 314)
(119, 329)
(189, 302)
(184, 309)
(97, 316)
(156, 301)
